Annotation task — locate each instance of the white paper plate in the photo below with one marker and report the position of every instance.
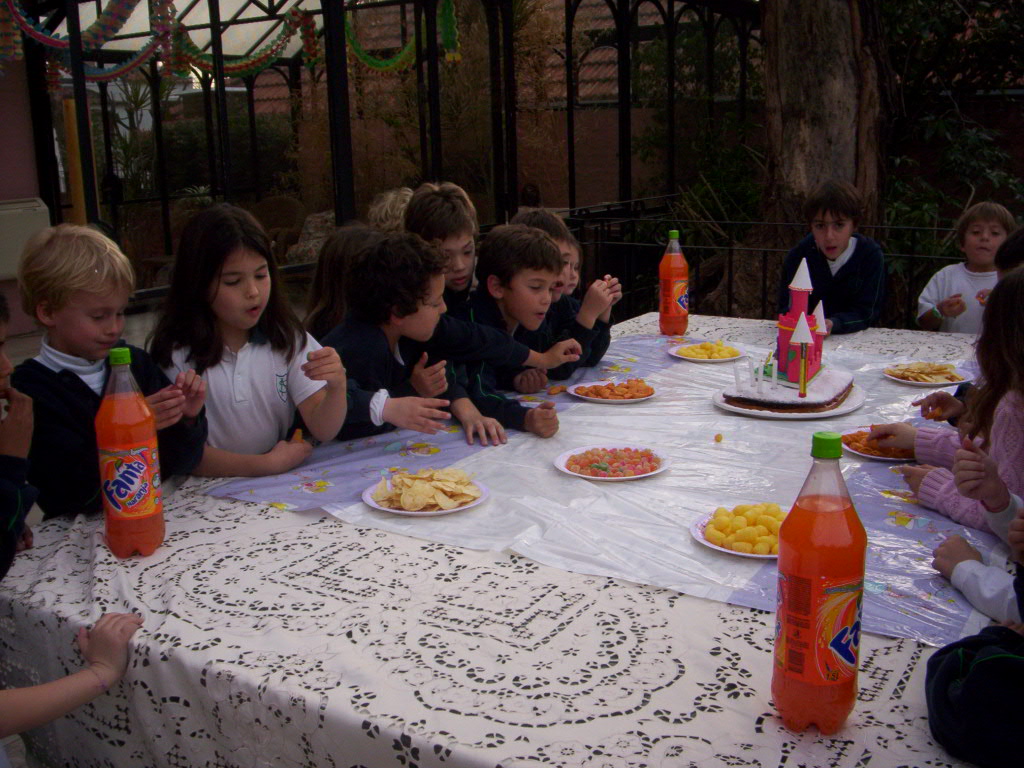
(562, 459)
(484, 495)
(572, 391)
(697, 531)
(673, 353)
(852, 402)
(848, 449)
(932, 384)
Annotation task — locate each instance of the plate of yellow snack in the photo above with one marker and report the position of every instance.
(426, 493)
(747, 530)
(929, 375)
(707, 352)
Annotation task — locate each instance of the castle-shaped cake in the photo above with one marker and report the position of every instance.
(792, 331)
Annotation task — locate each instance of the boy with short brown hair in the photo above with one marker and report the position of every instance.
(847, 268)
(76, 283)
(444, 215)
(954, 298)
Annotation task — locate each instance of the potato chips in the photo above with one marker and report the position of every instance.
(429, 490)
(933, 373)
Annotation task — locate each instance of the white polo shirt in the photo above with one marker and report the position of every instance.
(973, 288)
(251, 395)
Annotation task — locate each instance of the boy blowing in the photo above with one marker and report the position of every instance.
(847, 269)
(76, 283)
(954, 299)
(516, 273)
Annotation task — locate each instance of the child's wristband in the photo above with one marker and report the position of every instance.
(935, 311)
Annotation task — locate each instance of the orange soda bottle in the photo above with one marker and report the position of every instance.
(129, 466)
(822, 547)
(674, 281)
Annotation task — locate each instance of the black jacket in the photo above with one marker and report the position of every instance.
(63, 460)
(16, 499)
(560, 324)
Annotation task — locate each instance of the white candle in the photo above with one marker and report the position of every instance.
(760, 379)
(775, 375)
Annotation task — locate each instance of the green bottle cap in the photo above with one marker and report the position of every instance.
(120, 356)
(673, 234)
(827, 445)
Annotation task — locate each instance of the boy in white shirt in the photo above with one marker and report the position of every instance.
(954, 299)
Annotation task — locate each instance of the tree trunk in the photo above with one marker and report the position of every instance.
(827, 94)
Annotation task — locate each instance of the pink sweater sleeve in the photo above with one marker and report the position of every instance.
(1006, 447)
(936, 446)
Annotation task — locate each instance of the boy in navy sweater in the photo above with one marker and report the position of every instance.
(847, 269)
(516, 273)
(76, 283)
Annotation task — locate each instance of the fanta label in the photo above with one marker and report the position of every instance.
(130, 481)
(817, 630)
(676, 297)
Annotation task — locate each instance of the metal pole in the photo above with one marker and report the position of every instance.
(433, 90)
(622, 25)
(421, 91)
(110, 185)
(501, 205)
(92, 210)
(223, 164)
(161, 159)
(254, 149)
(339, 118)
(47, 171)
(570, 101)
(511, 107)
(206, 83)
(670, 97)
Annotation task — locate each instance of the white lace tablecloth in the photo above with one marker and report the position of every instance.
(277, 638)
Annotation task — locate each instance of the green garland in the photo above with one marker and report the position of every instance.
(449, 26)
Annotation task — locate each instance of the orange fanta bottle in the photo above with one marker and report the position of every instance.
(129, 466)
(674, 282)
(822, 546)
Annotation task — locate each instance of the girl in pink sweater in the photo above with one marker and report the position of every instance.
(994, 417)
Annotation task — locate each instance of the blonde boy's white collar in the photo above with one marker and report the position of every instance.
(92, 372)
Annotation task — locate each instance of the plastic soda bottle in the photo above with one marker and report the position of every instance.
(674, 293)
(822, 547)
(129, 466)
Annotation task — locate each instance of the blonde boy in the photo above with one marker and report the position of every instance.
(954, 299)
(387, 211)
(76, 283)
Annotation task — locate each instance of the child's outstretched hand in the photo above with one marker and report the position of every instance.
(16, 428)
(951, 552)
(429, 382)
(167, 405)
(566, 351)
(914, 475)
(192, 386)
(952, 306)
(105, 646)
(531, 380)
(940, 406)
(421, 414)
(977, 477)
(898, 435)
(324, 365)
(542, 420)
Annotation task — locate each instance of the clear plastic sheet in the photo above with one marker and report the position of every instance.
(640, 530)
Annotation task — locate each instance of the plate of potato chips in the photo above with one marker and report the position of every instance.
(426, 493)
(707, 352)
(747, 530)
(926, 374)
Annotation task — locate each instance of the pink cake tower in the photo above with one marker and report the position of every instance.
(788, 354)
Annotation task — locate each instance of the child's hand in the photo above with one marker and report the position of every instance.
(287, 454)
(897, 435)
(429, 382)
(951, 306)
(167, 405)
(914, 475)
(192, 386)
(531, 380)
(542, 420)
(25, 541)
(417, 413)
(490, 430)
(1015, 536)
(951, 552)
(615, 287)
(324, 365)
(16, 428)
(105, 646)
(940, 406)
(828, 327)
(567, 351)
(596, 300)
(977, 477)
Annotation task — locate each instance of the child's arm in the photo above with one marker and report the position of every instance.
(324, 410)
(988, 588)
(286, 455)
(105, 648)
